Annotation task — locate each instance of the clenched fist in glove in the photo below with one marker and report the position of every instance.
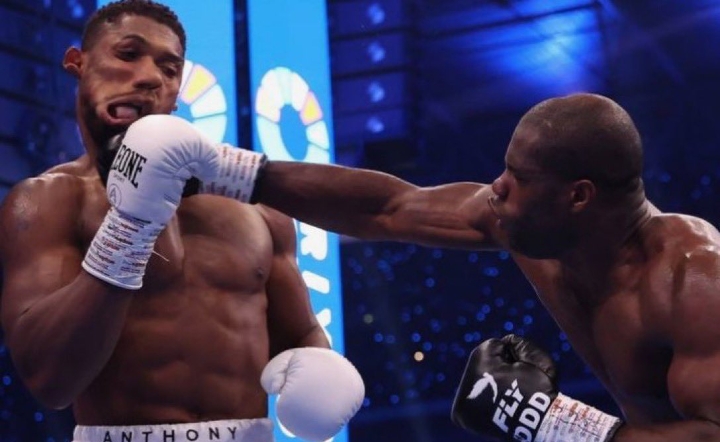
(319, 391)
(145, 181)
(146, 172)
(509, 392)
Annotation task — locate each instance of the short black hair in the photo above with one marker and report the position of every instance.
(588, 136)
(111, 12)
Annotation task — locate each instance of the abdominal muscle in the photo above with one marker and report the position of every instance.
(197, 359)
(195, 339)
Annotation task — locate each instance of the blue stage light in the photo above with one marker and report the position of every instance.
(376, 91)
(374, 125)
(376, 13)
(376, 51)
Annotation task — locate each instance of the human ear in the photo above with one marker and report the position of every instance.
(581, 195)
(72, 61)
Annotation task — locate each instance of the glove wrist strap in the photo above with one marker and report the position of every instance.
(121, 249)
(239, 170)
(569, 419)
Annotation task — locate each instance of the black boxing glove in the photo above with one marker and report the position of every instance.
(509, 391)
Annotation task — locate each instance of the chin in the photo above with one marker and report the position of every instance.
(101, 134)
(105, 132)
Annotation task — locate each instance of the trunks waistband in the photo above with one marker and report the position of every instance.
(236, 430)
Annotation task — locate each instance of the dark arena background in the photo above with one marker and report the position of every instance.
(429, 90)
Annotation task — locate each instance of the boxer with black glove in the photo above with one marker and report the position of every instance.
(509, 391)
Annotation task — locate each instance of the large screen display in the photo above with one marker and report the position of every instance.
(292, 120)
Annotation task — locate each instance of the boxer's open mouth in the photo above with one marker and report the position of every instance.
(124, 112)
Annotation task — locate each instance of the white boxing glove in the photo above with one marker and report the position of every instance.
(159, 153)
(319, 391)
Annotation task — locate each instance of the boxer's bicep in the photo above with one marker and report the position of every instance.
(693, 383)
(694, 373)
(291, 321)
(453, 215)
(39, 250)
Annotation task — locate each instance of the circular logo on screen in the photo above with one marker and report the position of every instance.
(202, 101)
(281, 87)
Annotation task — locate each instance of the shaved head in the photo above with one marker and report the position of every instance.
(587, 136)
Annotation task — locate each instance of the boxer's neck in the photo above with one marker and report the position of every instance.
(91, 147)
(613, 240)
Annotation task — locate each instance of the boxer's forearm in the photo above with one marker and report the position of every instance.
(60, 343)
(353, 202)
(315, 338)
(686, 431)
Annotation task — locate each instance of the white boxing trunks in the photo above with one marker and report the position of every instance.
(241, 430)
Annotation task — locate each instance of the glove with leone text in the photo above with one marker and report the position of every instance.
(147, 170)
(150, 165)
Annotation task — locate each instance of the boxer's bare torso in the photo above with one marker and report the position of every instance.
(627, 329)
(195, 338)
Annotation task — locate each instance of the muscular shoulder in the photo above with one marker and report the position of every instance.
(60, 183)
(43, 191)
(696, 255)
(681, 238)
(52, 198)
(686, 267)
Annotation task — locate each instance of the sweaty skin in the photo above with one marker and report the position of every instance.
(637, 294)
(222, 294)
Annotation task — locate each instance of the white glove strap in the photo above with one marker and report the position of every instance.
(121, 249)
(571, 420)
(238, 171)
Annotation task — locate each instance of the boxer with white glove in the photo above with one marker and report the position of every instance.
(319, 391)
(155, 158)
(509, 391)
(146, 172)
